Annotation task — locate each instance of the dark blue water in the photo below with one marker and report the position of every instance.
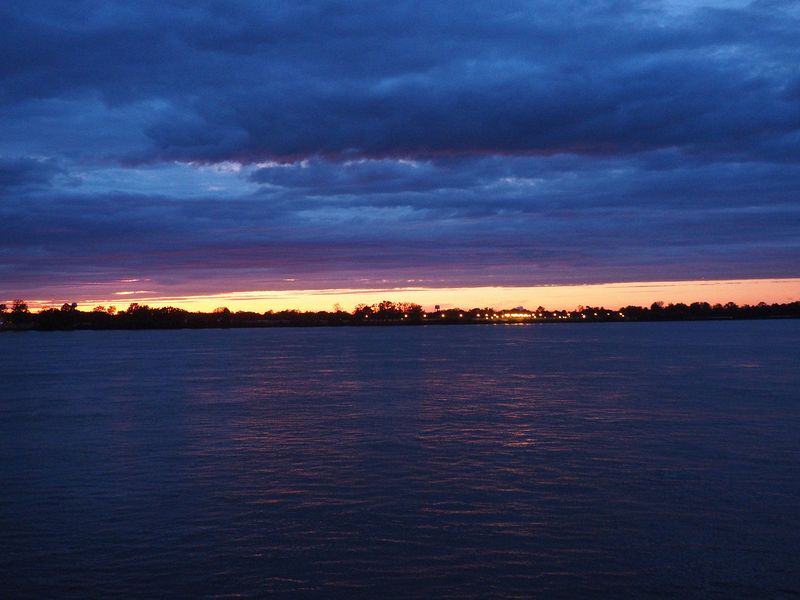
(597, 460)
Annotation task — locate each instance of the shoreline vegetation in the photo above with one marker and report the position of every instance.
(18, 317)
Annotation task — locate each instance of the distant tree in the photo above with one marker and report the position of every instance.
(222, 316)
(137, 316)
(678, 311)
(363, 311)
(19, 312)
(414, 311)
(19, 307)
(633, 313)
(700, 309)
(388, 310)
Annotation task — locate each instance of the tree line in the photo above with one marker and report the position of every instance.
(18, 316)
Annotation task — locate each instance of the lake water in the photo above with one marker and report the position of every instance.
(588, 460)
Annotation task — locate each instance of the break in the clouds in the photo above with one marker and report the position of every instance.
(213, 146)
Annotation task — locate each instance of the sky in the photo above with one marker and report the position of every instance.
(279, 154)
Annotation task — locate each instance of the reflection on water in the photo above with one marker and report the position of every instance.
(616, 460)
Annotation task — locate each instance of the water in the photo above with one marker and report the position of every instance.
(597, 460)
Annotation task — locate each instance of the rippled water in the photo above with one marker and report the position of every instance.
(598, 460)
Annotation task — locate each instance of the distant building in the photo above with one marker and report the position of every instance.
(519, 313)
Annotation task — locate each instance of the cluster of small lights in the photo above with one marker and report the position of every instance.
(526, 315)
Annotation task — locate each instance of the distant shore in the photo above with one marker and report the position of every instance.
(68, 317)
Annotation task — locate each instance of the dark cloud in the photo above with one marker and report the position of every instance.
(434, 235)
(456, 142)
(26, 173)
(253, 81)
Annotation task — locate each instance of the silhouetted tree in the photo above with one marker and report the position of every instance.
(700, 310)
(19, 307)
(19, 313)
(222, 316)
(144, 317)
(362, 312)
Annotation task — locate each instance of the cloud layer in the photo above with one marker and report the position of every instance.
(212, 146)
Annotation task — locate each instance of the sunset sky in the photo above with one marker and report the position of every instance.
(267, 155)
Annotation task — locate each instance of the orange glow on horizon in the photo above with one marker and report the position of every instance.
(553, 297)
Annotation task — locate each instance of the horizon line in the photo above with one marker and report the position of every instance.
(554, 296)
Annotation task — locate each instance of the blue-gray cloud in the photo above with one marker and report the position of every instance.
(19, 174)
(461, 142)
(252, 81)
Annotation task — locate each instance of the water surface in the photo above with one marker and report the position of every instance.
(568, 460)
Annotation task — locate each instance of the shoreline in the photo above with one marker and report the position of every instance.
(377, 324)
(384, 314)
